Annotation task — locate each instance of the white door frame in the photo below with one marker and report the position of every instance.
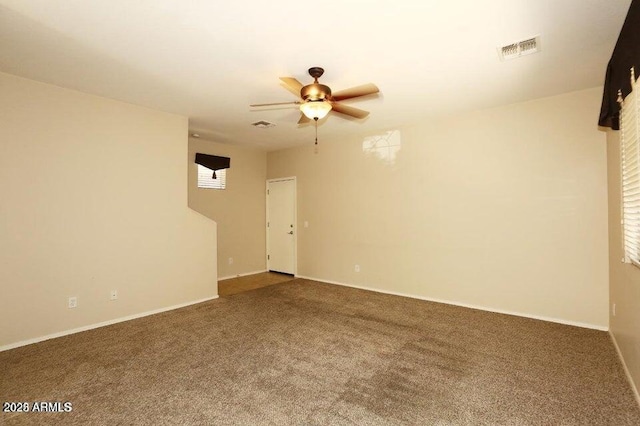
(295, 221)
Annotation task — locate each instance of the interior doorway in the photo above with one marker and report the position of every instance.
(281, 225)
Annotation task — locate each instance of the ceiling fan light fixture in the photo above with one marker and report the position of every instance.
(315, 110)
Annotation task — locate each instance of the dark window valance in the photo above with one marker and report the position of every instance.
(626, 54)
(213, 162)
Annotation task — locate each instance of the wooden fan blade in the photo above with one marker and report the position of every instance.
(293, 85)
(348, 110)
(276, 103)
(303, 119)
(354, 92)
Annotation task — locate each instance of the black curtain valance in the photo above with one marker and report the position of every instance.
(626, 54)
(213, 162)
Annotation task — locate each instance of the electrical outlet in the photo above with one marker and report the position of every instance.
(73, 302)
(231, 261)
(114, 294)
(357, 268)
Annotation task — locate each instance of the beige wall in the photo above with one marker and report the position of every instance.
(503, 209)
(239, 210)
(624, 278)
(93, 197)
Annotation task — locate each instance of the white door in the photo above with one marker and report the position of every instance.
(281, 221)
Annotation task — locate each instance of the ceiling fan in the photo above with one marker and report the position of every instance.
(316, 100)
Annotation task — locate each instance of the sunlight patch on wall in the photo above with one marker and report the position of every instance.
(385, 146)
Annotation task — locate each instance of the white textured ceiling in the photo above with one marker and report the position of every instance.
(209, 60)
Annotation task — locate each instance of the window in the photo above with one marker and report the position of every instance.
(630, 159)
(206, 180)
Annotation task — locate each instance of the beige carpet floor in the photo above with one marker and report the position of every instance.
(306, 353)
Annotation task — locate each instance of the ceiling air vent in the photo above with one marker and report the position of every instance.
(262, 124)
(520, 48)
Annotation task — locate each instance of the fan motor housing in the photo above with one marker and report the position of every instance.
(315, 92)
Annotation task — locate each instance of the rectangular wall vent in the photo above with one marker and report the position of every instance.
(520, 48)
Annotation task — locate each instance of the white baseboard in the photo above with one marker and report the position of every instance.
(101, 324)
(242, 275)
(626, 369)
(464, 305)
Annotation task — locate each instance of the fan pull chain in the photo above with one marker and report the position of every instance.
(315, 148)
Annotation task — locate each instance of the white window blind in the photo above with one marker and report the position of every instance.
(206, 180)
(630, 159)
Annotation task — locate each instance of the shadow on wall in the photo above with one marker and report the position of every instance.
(384, 146)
